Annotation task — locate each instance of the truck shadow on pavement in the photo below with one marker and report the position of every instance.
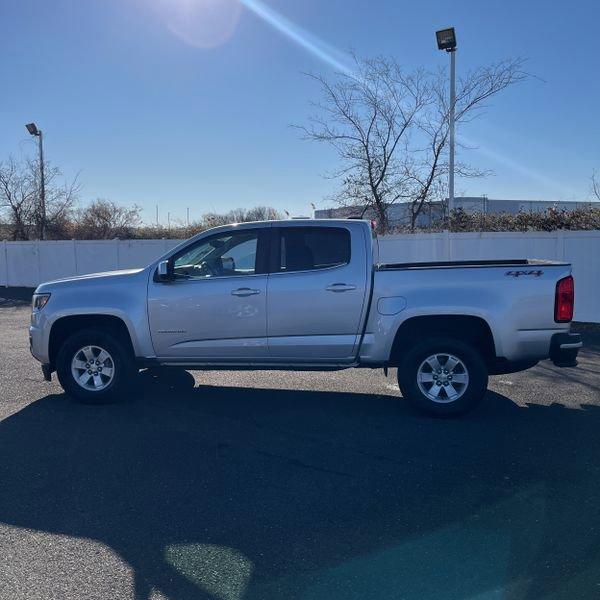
(227, 493)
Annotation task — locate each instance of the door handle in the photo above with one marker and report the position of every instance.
(245, 292)
(340, 287)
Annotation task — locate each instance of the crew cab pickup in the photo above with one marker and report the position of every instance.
(306, 295)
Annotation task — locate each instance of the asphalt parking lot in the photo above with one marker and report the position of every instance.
(277, 485)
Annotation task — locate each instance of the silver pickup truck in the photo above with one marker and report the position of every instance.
(306, 295)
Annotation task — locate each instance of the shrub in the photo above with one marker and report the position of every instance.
(580, 219)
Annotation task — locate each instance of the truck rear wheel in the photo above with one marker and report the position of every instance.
(443, 377)
(95, 367)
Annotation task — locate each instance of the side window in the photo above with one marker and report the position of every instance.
(310, 248)
(219, 256)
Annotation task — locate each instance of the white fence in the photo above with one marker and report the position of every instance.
(29, 263)
(25, 264)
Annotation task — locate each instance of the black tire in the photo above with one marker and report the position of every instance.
(472, 392)
(123, 365)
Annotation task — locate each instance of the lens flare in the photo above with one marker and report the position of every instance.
(203, 23)
(318, 48)
(210, 23)
(532, 174)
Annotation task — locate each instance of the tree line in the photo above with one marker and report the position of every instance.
(21, 215)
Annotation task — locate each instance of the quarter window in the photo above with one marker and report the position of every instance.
(310, 248)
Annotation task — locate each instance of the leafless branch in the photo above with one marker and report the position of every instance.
(389, 128)
(595, 186)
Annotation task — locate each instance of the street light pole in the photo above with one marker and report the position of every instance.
(452, 53)
(446, 40)
(33, 130)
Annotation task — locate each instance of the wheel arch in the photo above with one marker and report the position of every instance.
(466, 328)
(65, 326)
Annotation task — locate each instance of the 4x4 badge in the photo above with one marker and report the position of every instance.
(532, 273)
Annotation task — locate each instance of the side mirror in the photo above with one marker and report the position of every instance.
(163, 272)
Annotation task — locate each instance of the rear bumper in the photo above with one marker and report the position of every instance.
(564, 348)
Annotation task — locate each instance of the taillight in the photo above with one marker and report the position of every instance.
(565, 300)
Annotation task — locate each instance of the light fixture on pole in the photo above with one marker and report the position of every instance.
(446, 40)
(33, 130)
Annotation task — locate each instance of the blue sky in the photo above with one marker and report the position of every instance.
(154, 105)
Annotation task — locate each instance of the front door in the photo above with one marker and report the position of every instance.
(215, 308)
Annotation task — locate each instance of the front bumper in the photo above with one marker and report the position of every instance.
(564, 348)
(47, 372)
(33, 343)
(36, 344)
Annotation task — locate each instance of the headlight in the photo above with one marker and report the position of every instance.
(39, 301)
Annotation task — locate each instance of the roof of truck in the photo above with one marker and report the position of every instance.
(292, 222)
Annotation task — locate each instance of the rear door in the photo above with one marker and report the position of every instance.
(316, 292)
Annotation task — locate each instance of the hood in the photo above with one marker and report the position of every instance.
(91, 279)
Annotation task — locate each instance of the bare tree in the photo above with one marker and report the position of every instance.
(17, 198)
(262, 213)
(20, 199)
(240, 215)
(390, 130)
(427, 166)
(366, 118)
(104, 219)
(595, 187)
(61, 198)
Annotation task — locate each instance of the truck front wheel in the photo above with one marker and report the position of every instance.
(94, 367)
(443, 377)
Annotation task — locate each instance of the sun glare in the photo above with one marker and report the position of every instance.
(210, 23)
(318, 48)
(203, 23)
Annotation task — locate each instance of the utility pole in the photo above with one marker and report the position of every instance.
(33, 130)
(188, 216)
(157, 215)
